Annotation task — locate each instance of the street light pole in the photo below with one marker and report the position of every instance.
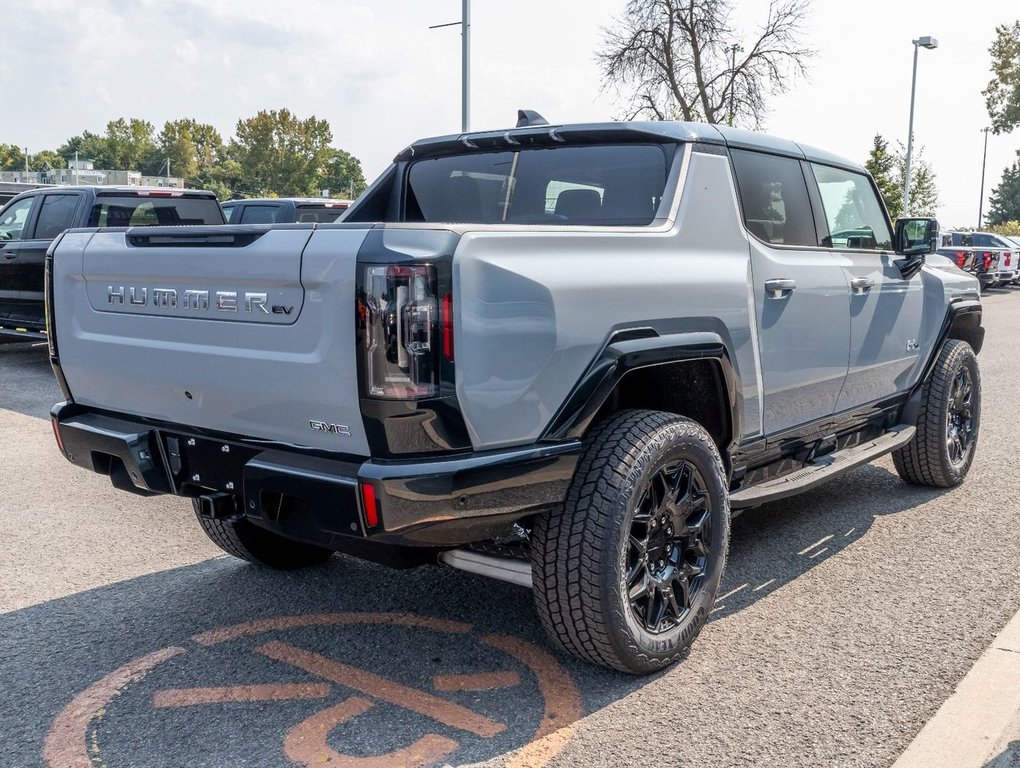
(465, 62)
(929, 43)
(465, 66)
(981, 200)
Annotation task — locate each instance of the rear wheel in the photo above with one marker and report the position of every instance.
(942, 451)
(242, 538)
(626, 574)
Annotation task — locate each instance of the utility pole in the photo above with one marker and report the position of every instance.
(465, 63)
(981, 199)
(26, 159)
(76, 167)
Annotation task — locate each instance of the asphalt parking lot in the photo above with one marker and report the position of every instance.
(846, 618)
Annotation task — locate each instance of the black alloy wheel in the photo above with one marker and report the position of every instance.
(959, 417)
(670, 537)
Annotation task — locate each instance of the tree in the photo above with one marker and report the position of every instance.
(194, 150)
(882, 165)
(888, 169)
(924, 192)
(342, 175)
(681, 59)
(280, 154)
(89, 146)
(129, 145)
(1002, 96)
(12, 158)
(1004, 202)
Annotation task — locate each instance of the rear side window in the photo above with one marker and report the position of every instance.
(228, 212)
(55, 215)
(132, 211)
(774, 198)
(259, 214)
(607, 185)
(319, 214)
(853, 211)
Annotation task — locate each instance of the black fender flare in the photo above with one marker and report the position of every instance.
(962, 321)
(629, 349)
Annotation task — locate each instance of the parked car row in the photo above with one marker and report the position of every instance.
(994, 259)
(33, 217)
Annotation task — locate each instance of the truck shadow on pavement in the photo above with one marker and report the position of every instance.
(224, 663)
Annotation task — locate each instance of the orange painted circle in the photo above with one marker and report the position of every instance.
(67, 741)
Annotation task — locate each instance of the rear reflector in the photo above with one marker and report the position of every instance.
(56, 433)
(370, 504)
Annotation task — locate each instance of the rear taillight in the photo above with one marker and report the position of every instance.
(448, 326)
(1008, 257)
(988, 260)
(961, 259)
(400, 316)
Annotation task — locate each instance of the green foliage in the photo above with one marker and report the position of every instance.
(281, 154)
(1004, 202)
(274, 154)
(89, 146)
(129, 144)
(1011, 228)
(12, 158)
(882, 165)
(194, 150)
(888, 168)
(924, 192)
(1002, 96)
(342, 175)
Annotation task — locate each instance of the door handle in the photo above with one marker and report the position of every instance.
(779, 288)
(10, 255)
(861, 285)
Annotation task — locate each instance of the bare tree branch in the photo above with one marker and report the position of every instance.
(671, 59)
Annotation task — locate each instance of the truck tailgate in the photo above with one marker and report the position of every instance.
(246, 331)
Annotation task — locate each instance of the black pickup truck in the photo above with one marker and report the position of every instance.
(284, 210)
(32, 220)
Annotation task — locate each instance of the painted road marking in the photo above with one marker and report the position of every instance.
(483, 681)
(73, 740)
(445, 712)
(190, 697)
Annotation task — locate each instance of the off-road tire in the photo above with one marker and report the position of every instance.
(242, 538)
(926, 459)
(580, 552)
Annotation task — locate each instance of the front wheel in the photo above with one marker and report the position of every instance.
(626, 573)
(941, 452)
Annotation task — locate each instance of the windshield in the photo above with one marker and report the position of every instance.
(137, 211)
(605, 185)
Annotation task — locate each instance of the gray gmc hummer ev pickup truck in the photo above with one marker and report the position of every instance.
(557, 355)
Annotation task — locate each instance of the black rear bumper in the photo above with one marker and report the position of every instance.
(432, 502)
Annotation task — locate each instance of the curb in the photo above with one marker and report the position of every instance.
(979, 725)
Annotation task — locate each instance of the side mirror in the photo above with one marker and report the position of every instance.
(914, 239)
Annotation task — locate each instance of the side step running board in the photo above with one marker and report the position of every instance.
(823, 468)
(502, 568)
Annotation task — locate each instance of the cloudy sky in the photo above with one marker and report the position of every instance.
(383, 79)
